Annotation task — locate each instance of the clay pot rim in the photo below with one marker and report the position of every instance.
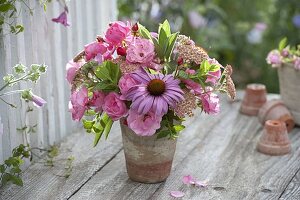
(266, 108)
(256, 86)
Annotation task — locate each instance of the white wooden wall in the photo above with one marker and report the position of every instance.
(44, 41)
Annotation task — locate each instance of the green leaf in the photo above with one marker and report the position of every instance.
(20, 69)
(106, 86)
(158, 49)
(16, 180)
(19, 28)
(163, 133)
(6, 7)
(282, 44)
(144, 32)
(182, 74)
(178, 128)
(171, 43)
(108, 127)
(88, 124)
(214, 68)
(204, 68)
(166, 27)
(2, 169)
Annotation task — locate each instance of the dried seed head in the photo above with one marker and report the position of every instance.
(186, 106)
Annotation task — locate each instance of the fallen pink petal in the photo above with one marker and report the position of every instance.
(201, 183)
(177, 194)
(188, 180)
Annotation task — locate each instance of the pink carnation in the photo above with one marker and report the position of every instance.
(126, 82)
(140, 51)
(72, 68)
(274, 58)
(116, 33)
(97, 101)
(193, 86)
(213, 77)
(79, 100)
(143, 124)
(210, 103)
(114, 106)
(93, 49)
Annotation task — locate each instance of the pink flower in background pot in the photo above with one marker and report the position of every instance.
(79, 101)
(114, 106)
(140, 51)
(143, 124)
(126, 82)
(274, 58)
(117, 32)
(193, 86)
(297, 63)
(72, 68)
(97, 100)
(210, 103)
(62, 18)
(93, 49)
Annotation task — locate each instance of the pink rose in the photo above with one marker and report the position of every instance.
(79, 101)
(143, 125)
(193, 86)
(274, 58)
(97, 100)
(213, 77)
(116, 33)
(72, 68)
(114, 106)
(210, 103)
(126, 82)
(140, 51)
(93, 49)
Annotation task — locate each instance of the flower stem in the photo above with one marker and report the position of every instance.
(11, 92)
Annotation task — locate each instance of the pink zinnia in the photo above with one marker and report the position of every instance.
(145, 124)
(155, 92)
(117, 32)
(210, 103)
(95, 49)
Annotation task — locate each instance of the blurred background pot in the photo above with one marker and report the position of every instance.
(148, 159)
(289, 83)
(255, 97)
(276, 110)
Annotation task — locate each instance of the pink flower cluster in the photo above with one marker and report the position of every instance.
(147, 88)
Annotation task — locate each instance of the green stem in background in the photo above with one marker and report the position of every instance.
(14, 81)
(10, 104)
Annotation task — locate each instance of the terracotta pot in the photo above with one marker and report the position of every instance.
(275, 109)
(148, 159)
(274, 140)
(255, 97)
(289, 82)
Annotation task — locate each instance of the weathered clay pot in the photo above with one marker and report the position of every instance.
(289, 82)
(276, 110)
(148, 159)
(255, 97)
(274, 140)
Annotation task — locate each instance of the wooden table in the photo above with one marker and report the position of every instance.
(221, 149)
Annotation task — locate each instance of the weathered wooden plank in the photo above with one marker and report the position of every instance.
(292, 191)
(114, 184)
(42, 182)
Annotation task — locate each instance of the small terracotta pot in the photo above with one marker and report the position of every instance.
(274, 140)
(148, 159)
(255, 97)
(275, 109)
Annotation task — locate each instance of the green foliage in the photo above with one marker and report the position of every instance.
(109, 73)
(224, 33)
(282, 44)
(170, 126)
(100, 125)
(10, 171)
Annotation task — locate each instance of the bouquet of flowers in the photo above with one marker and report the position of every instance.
(151, 81)
(284, 54)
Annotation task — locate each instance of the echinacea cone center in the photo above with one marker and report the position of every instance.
(156, 87)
